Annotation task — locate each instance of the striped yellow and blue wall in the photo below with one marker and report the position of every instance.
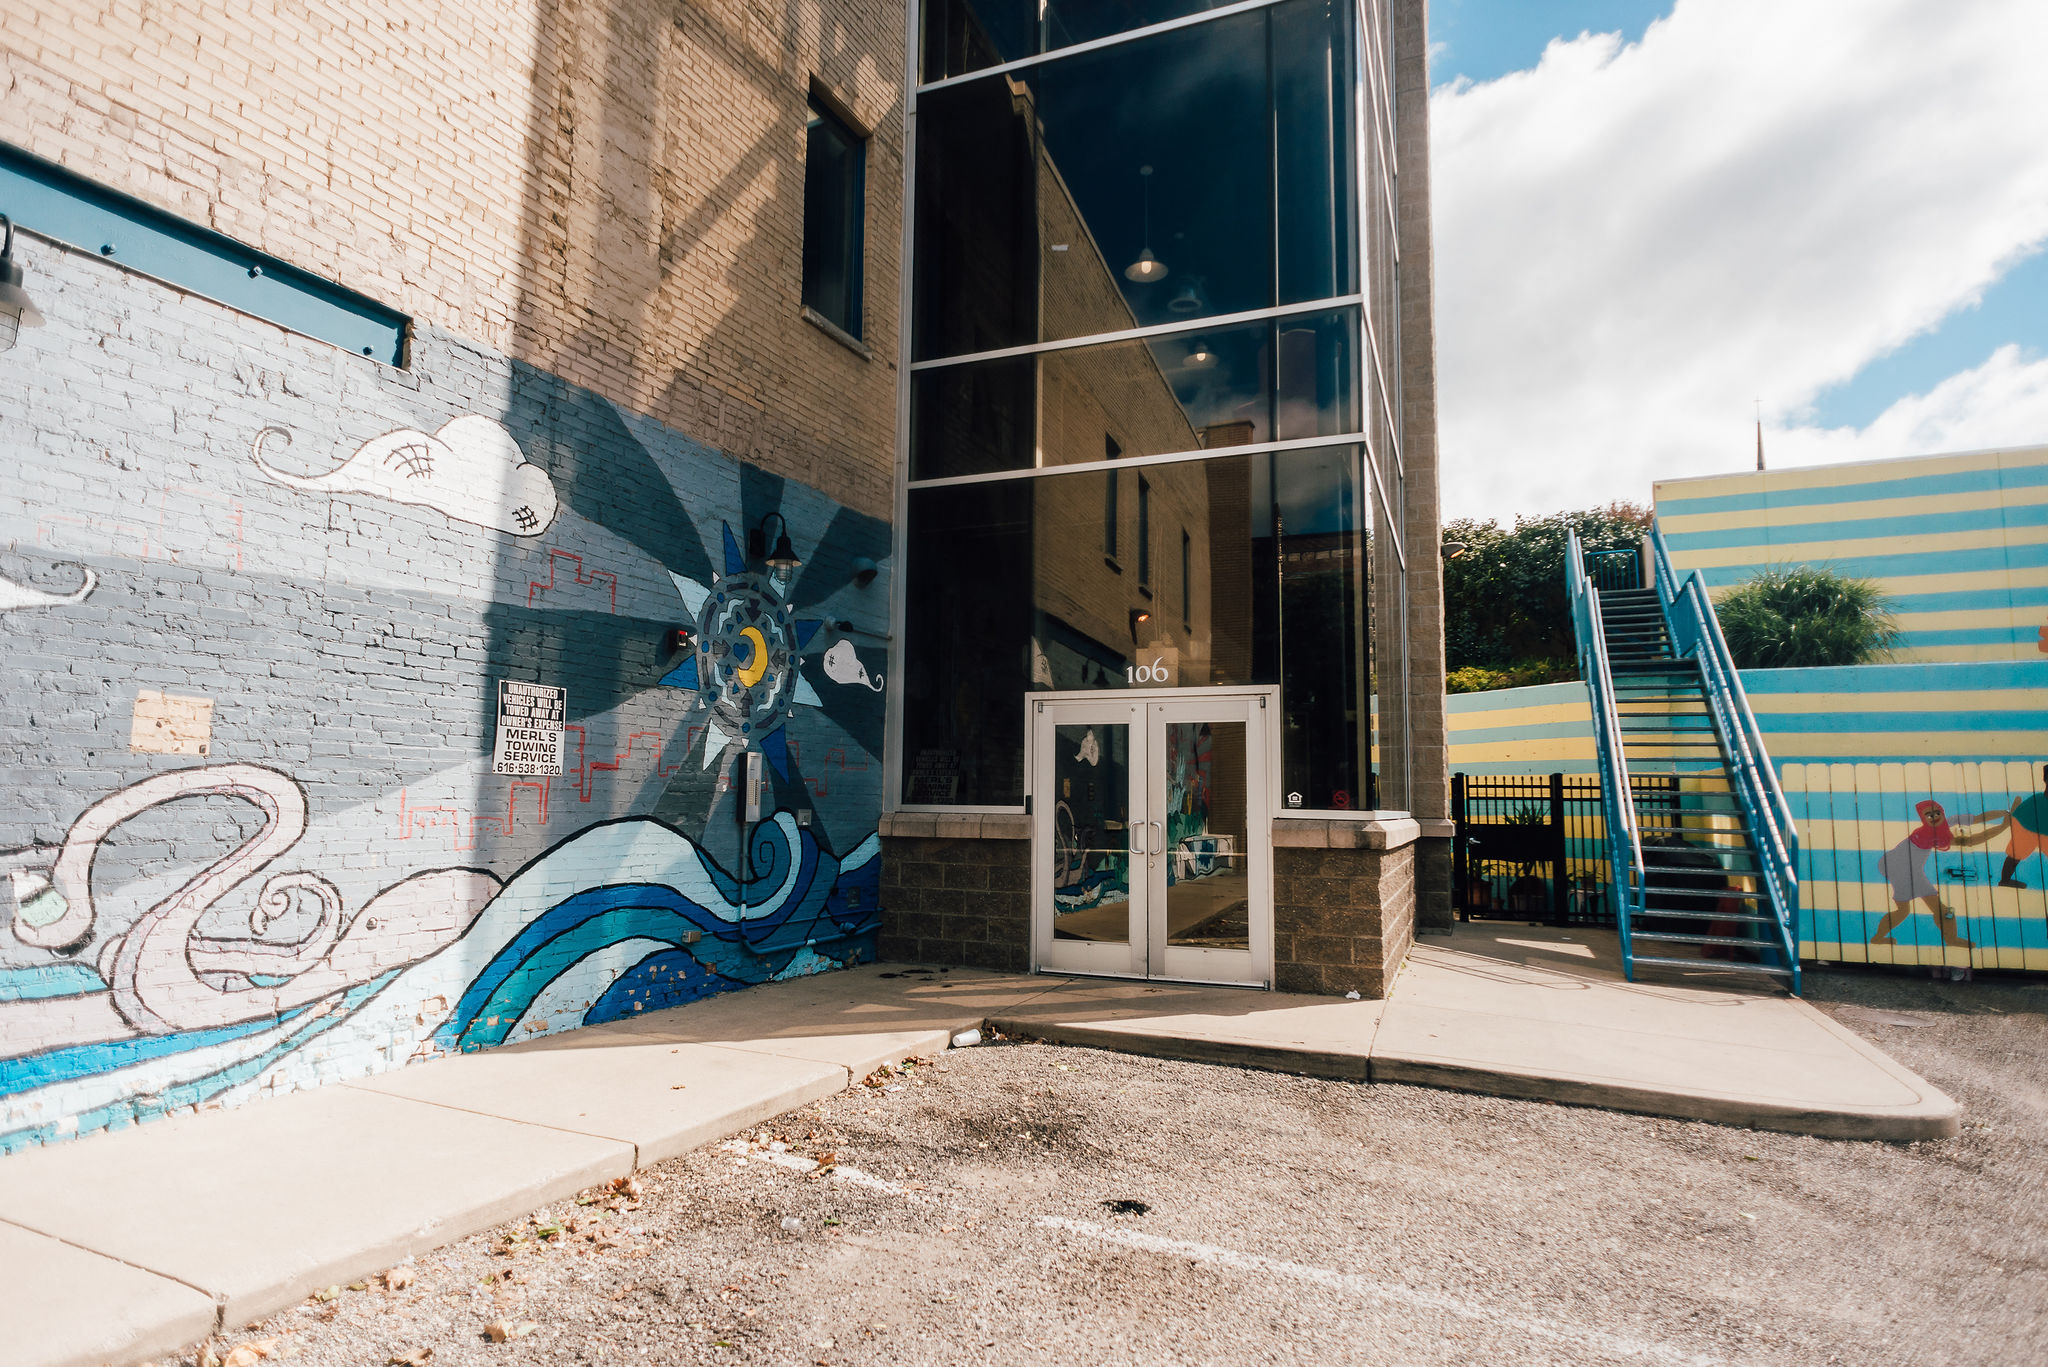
(1856, 749)
(1958, 542)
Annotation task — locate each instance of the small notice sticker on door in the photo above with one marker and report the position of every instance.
(529, 728)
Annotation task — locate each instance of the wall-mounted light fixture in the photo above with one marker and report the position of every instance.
(679, 640)
(17, 310)
(1139, 616)
(842, 625)
(783, 558)
(1456, 550)
(864, 571)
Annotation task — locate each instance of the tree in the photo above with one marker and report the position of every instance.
(1805, 616)
(1504, 599)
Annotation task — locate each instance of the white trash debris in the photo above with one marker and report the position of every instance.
(967, 1039)
(792, 1225)
(1351, 996)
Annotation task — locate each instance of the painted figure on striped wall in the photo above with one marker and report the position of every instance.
(2027, 832)
(1905, 867)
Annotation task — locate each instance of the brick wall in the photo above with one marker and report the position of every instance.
(258, 595)
(1343, 905)
(611, 192)
(954, 900)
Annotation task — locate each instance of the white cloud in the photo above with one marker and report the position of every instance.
(1633, 242)
(2001, 403)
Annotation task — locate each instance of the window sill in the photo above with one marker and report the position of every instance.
(1110, 561)
(1359, 831)
(837, 333)
(954, 825)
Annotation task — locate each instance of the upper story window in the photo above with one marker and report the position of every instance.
(1202, 172)
(835, 212)
(967, 35)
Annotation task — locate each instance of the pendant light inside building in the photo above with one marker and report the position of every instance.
(1147, 268)
(1200, 357)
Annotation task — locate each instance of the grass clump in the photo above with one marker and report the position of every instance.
(1806, 617)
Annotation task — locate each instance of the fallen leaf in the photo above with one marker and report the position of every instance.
(249, 1354)
(398, 1278)
(678, 1086)
(332, 1293)
(418, 1357)
(207, 1357)
(359, 1286)
(628, 1187)
(497, 1331)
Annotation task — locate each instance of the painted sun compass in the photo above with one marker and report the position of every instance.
(743, 658)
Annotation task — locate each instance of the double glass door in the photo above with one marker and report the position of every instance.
(1150, 836)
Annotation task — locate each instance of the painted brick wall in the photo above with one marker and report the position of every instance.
(257, 597)
(611, 192)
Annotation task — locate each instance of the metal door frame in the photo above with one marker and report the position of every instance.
(1147, 711)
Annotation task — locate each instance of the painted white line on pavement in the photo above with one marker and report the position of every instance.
(796, 1162)
(1215, 1256)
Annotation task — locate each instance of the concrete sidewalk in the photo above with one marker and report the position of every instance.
(123, 1246)
(1537, 1013)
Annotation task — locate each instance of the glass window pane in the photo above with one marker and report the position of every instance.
(1317, 170)
(1137, 184)
(960, 36)
(1273, 380)
(1009, 592)
(975, 265)
(834, 208)
(1157, 181)
(1091, 853)
(1207, 874)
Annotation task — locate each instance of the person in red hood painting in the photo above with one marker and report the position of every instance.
(1905, 868)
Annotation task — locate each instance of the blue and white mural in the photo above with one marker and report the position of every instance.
(255, 840)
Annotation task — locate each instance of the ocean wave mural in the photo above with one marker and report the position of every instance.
(316, 771)
(623, 917)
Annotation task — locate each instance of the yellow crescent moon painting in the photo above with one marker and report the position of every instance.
(757, 662)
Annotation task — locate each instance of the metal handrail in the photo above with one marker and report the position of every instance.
(1696, 630)
(1624, 839)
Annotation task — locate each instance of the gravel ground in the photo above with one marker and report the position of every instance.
(968, 1213)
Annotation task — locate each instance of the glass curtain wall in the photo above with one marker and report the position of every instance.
(1145, 444)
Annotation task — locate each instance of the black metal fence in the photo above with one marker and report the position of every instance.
(1533, 847)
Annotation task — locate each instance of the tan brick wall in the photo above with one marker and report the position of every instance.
(612, 191)
(1343, 919)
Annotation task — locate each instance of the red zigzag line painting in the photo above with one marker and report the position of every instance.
(464, 827)
(583, 580)
(586, 769)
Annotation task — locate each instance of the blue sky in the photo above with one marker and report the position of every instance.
(1949, 336)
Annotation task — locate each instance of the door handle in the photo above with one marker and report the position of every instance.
(1159, 847)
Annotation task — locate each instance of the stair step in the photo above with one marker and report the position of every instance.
(1664, 890)
(1672, 937)
(1647, 828)
(1718, 965)
(1743, 916)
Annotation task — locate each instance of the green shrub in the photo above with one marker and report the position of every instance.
(1804, 617)
(1520, 674)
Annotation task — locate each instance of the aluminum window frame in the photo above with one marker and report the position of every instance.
(1372, 81)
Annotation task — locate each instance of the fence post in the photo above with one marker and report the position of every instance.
(1460, 871)
(1560, 896)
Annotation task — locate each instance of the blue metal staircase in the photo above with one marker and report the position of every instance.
(1704, 876)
